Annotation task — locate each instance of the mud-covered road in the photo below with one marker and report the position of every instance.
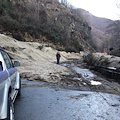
(88, 80)
(84, 96)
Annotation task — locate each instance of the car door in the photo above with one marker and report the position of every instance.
(10, 68)
(3, 79)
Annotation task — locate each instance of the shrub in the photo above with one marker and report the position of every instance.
(70, 49)
(77, 46)
(18, 36)
(89, 59)
(5, 7)
(9, 24)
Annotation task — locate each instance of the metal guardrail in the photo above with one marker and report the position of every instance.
(112, 71)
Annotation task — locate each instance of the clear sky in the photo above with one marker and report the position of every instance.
(100, 8)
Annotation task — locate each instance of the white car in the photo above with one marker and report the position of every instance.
(10, 85)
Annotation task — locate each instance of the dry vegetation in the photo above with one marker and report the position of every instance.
(45, 21)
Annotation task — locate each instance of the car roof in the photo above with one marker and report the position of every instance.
(2, 49)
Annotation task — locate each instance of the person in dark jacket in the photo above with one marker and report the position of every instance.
(58, 57)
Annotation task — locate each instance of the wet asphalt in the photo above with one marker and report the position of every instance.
(44, 103)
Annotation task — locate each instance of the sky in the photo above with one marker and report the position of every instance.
(100, 8)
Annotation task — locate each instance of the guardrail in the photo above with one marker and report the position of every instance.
(108, 71)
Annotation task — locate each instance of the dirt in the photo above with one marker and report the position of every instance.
(38, 62)
(90, 81)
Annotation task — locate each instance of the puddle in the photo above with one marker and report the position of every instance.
(84, 72)
(68, 64)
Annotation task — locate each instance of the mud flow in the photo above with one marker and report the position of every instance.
(87, 80)
(82, 79)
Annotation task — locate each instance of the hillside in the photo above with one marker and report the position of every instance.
(59, 26)
(46, 22)
(100, 37)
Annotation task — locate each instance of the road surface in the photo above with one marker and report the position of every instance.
(38, 102)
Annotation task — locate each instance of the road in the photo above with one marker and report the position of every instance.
(39, 102)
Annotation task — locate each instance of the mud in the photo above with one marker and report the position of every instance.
(86, 80)
(82, 79)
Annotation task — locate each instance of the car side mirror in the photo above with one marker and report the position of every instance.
(16, 63)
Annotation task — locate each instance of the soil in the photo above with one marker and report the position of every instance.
(38, 62)
(88, 80)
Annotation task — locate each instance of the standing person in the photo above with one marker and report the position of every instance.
(58, 57)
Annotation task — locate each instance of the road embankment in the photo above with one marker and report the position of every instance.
(103, 60)
(106, 64)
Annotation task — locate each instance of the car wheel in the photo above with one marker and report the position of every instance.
(10, 112)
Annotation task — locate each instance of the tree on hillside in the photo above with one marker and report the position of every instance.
(63, 26)
(114, 30)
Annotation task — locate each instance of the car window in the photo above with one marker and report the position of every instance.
(7, 59)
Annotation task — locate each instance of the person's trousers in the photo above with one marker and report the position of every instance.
(58, 60)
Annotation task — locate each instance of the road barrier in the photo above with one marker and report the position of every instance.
(111, 72)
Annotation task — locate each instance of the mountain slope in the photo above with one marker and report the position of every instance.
(99, 26)
(43, 21)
